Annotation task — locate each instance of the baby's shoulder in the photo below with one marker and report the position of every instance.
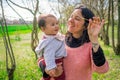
(46, 40)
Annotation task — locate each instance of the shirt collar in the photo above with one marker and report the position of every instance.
(58, 36)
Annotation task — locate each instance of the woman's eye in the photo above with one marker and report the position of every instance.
(77, 18)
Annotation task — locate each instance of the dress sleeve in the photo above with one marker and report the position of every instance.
(99, 63)
(98, 57)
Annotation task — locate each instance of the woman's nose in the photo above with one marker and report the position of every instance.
(70, 19)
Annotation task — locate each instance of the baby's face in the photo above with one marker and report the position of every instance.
(52, 26)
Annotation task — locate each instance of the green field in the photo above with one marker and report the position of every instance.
(26, 64)
(13, 29)
(18, 27)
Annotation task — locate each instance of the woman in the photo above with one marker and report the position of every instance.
(84, 54)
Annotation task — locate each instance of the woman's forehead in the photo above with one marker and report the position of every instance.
(77, 12)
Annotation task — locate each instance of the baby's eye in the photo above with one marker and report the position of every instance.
(52, 24)
(57, 23)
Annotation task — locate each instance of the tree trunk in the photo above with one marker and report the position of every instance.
(113, 39)
(34, 36)
(118, 35)
(107, 42)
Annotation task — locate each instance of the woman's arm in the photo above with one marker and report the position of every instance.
(99, 62)
(98, 57)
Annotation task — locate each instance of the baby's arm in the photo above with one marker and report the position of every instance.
(52, 68)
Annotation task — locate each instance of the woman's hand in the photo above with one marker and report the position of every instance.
(94, 28)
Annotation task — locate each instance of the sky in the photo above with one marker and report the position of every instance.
(9, 13)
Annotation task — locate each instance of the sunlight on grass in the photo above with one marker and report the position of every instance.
(26, 63)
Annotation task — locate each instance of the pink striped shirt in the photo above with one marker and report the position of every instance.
(79, 64)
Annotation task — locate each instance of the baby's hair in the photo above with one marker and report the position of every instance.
(42, 19)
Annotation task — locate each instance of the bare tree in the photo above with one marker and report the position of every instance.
(10, 59)
(33, 9)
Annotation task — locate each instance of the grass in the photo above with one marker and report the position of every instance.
(26, 64)
(27, 69)
(114, 65)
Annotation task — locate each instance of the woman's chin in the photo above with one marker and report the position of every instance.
(70, 31)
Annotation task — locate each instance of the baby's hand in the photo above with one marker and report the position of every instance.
(51, 72)
(59, 70)
(56, 71)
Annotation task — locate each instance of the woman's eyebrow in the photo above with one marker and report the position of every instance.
(83, 18)
(80, 17)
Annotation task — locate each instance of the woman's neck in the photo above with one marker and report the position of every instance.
(77, 35)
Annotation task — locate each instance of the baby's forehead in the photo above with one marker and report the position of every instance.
(45, 16)
(51, 19)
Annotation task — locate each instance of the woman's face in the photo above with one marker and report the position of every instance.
(76, 22)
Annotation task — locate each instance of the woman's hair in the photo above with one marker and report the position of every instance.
(87, 14)
(42, 20)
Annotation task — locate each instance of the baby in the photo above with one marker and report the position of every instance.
(51, 48)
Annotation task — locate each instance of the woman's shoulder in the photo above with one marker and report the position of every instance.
(88, 44)
(60, 36)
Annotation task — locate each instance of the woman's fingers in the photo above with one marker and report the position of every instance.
(90, 23)
(96, 20)
(95, 25)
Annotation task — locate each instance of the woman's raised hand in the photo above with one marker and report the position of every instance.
(94, 28)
